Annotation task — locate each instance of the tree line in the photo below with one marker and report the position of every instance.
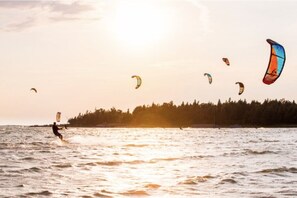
(229, 113)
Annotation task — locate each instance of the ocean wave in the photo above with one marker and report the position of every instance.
(198, 156)
(112, 163)
(11, 146)
(152, 186)
(163, 159)
(100, 163)
(45, 193)
(117, 153)
(136, 145)
(3, 145)
(17, 171)
(38, 144)
(253, 152)
(117, 163)
(279, 170)
(28, 158)
(10, 175)
(288, 192)
(196, 179)
(22, 146)
(33, 169)
(102, 195)
(45, 151)
(67, 165)
(231, 181)
(231, 154)
(271, 141)
(253, 141)
(108, 163)
(86, 196)
(240, 173)
(106, 191)
(261, 140)
(135, 193)
(8, 166)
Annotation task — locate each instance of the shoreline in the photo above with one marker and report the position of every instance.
(181, 127)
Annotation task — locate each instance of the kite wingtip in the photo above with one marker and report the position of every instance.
(271, 42)
(267, 82)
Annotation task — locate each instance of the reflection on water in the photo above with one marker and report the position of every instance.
(99, 162)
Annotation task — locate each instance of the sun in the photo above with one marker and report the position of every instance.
(139, 23)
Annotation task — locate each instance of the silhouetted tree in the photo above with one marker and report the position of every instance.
(268, 113)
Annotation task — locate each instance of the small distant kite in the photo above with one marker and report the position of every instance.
(226, 60)
(241, 87)
(33, 89)
(276, 62)
(58, 116)
(209, 77)
(139, 81)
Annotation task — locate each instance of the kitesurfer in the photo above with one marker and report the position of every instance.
(56, 129)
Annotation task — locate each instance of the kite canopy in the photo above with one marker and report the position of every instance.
(33, 89)
(139, 81)
(226, 60)
(241, 87)
(58, 116)
(276, 62)
(209, 77)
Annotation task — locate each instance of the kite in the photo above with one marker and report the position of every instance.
(226, 61)
(139, 81)
(209, 77)
(58, 116)
(276, 62)
(241, 87)
(33, 89)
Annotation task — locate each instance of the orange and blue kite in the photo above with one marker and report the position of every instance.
(276, 62)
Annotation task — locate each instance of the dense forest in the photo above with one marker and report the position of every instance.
(227, 114)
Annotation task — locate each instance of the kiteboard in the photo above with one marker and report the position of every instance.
(64, 141)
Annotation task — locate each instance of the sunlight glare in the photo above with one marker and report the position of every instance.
(139, 23)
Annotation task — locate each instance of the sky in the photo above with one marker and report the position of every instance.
(80, 54)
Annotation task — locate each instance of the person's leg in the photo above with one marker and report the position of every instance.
(59, 135)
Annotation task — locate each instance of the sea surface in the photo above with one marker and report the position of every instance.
(156, 162)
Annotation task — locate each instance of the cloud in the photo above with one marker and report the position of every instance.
(74, 7)
(31, 13)
(29, 22)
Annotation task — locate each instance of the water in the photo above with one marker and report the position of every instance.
(102, 162)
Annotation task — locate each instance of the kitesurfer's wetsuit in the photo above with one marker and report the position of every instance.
(55, 131)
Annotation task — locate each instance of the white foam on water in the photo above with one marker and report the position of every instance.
(58, 142)
(84, 140)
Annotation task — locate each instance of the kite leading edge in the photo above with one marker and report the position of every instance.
(33, 89)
